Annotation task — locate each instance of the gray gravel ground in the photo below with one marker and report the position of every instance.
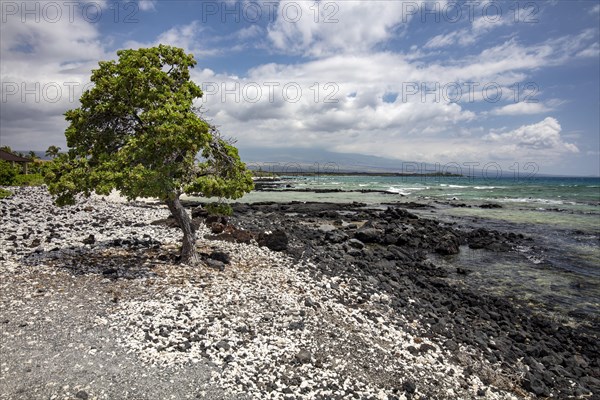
(52, 346)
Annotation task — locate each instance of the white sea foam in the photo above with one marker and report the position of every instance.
(401, 191)
(535, 200)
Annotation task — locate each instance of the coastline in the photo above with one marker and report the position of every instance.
(345, 274)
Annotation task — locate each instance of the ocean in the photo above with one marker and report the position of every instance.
(558, 274)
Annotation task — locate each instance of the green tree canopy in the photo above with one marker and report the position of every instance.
(8, 173)
(52, 151)
(138, 132)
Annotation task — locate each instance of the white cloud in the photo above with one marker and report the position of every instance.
(539, 142)
(324, 28)
(409, 128)
(45, 65)
(521, 108)
(595, 9)
(478, 28)
(187, 37)
(249, 32)
(313, 122)
(443, 40)
(542, 136)
(593, 51)
(506, 59)
(147, 5)
(567, 47)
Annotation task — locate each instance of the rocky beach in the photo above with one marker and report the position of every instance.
(291, 301)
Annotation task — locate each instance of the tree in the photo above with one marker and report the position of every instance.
(6, 148)
(32, 155)
(8, 173)
(138, 132)
(52, 151)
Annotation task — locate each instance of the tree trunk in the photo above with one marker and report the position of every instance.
(189, 254)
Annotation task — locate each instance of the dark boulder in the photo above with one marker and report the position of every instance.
(448, 244)
(220, 256)
(490, 205)
(199, 212)
(215, 264)
(82, 394)
(232, 234)
(355, 243)
(277, 240)
(398, 254)
(409, 386)
(489, 240)
(89, 240)
(535, 385)
(336, 236)
(216, 218)
(217, 227)
(369, 235)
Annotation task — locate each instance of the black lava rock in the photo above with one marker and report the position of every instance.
(220, 256)
(82, 394)
(276, 241)
(89, 240)
(409, 386)
(369, 235)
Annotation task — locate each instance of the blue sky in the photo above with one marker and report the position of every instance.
(435, 81)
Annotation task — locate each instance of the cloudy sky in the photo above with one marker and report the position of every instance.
(433, 81)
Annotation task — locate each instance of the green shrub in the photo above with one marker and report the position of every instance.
(38, 167)
(29, 180)
(4, 193)
(8, 173)
(218, 209)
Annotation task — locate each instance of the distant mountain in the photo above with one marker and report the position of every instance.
(315, 160)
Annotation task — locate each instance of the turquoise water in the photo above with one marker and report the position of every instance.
(572, 203)
(538, 190)
(559, 273)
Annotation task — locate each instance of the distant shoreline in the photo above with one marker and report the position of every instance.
(356, 173)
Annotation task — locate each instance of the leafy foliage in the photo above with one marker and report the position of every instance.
(8, 173)
(29, 180)
(52, 151)
(221, 174)
(218, 209)
(39, 167)
(5, 193)
(138, 132)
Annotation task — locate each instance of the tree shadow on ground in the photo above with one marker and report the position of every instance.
(114, 259)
